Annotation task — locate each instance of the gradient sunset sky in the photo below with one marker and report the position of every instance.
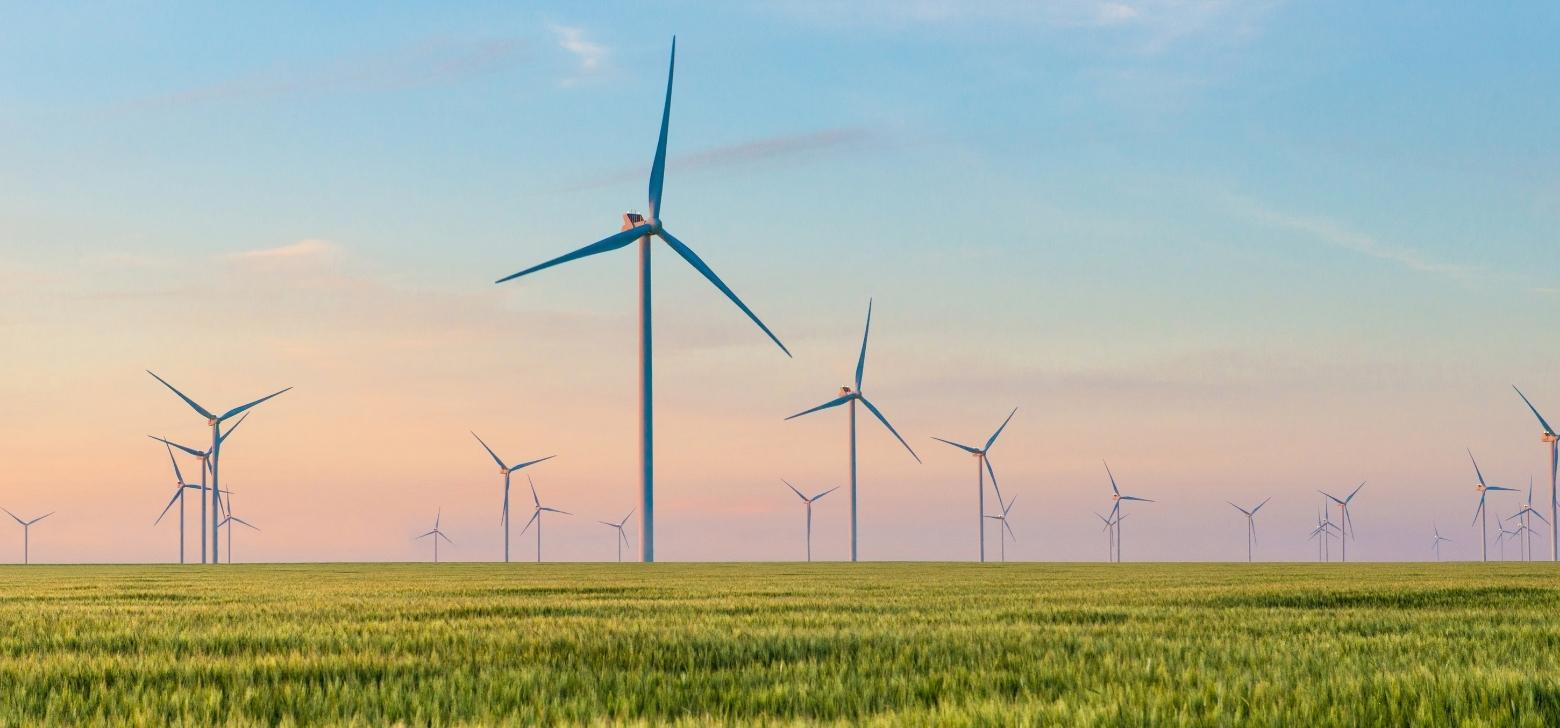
(1238, 249)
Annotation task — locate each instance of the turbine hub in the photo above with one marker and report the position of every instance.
(632, 220)
(1550, 438)
(845, 390)
(212, 421)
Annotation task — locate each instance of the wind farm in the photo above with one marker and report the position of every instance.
(1221, 247)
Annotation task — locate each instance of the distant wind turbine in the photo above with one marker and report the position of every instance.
(641, 229)
(179, 486)
(215, 460)
(808, 500)
(1251, 525)
(228, 522)
(536, 518)
(1436, 544)
(983, 466)
(622, 538)
(1115, 510)
(505, 470)
(1525, 513)
(1110, 537)
(851, 397)
(203, 456)
(436, 534)
(1345, 523)
(1553, 441)
(1505, 535)
(1007, 530)
(1479, 513)
(26, 532)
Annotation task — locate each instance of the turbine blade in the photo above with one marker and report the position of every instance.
(607, 523)
(625, 518)
(529, 463)
(861, 361)
(494, 455)
(993, 439)
(793, 489)
(241, 408)
(1259, 505)
(446, 538)
(532, 483)
(993, 473)
(191, 451)
(837, 401)
(699, 265)
(555, 510)
(534, 515)
(658, 168)
(1498, 487)
(1354, 492)
(13, 516)
(884, 420)
(1112, 476)
(1541, 421)
(224, 436)
(171, 501)
(831, 490)
(611, 242)
(1540, 517)
(177, 476)
(202, 410)
(1331, 497)
(1478, 510)
(1238, 508)
(417, 538)
(241, 521)
(1476, 467)
(624, 537)
(965, 448)
(1009, 530)
(1135, 498)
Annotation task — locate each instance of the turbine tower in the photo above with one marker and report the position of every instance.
(1115, 510)
(1479, 516)
(983, 466)
(1553, 441)
(1251, 524)
(1110, 537)
(536, 518)
(215, 459)
(622, 538)
(26, 532)
(205, 467)
(809, 501)
(1006, 531)
(436, 534)
(505, 470)
(1345, 525)
(179, 486)
(1436, 544)
(851, 397)
(641, 229)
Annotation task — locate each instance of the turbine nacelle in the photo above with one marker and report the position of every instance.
(845, 390)
(1548, 438)
(632, 220)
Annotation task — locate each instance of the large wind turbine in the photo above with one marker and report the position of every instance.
(1479, 513)
(1115, 510)
(1345, 524)
(983, 466)
(505, 470)
(1006, 531)
(1251, 524)
(1553, 440)
(622, 538)
(851, 397)
(178, 495)
(809, 501)
(205, 467)
(641, 229)
(1436, 544)
(536, 518)
(1524, 513)
(26, 532)
(436, 534)
(215, 460)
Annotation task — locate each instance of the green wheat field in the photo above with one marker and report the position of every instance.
(882, 643)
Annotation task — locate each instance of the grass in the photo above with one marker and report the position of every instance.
(891, 644)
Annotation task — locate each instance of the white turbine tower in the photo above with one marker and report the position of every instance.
(808, 500)
(1550, 438)
(1006, 531)
(505, 470)
(436, 534)
(1436, 544)
(203, 456)
(636, 228)
(215, 460)
(1115, 510)
(179, 486)
(26, 533)
(851, 397)
(622, 538)
(982, 467)
(536, 518)
(1479, 513)
(1345, 525)
(1251, 524)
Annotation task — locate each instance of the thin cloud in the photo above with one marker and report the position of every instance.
(746, 153)
(428, 63)
(1342, 237)
(303, 250)
(590, 56)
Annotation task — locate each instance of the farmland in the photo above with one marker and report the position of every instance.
(1126, 644)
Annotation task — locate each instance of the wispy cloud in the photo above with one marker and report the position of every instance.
(749, 152)
(430, 62)
(1340, 236)
(309, 249)
(590, 57)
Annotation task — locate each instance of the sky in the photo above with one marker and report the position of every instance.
(1240, 250)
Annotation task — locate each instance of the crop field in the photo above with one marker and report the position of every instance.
(473, 644)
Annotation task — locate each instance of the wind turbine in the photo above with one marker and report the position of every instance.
(1436, 544)
(178, 495)
(1479, 514)
(982, 466)
(1115, 509)
(435, 533)
(851, 397)
(215, 421)
(26, 532)
(1251, 524)
(1324, 530)
(505, 470)
(1345, 524)
(622, 539)
(1007, 530)
(228, 523)
(1553, 440)
(205, 467)
(641, 229)
(1526, 511)
(809, 501)
(536, 518)
(1110, 537)
(1504, 536)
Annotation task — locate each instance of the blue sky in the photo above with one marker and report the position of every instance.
(1236, 247)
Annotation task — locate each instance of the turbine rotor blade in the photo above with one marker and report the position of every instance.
(884, 420)
(993, 439)
(189, 450)
(494, 455)
(837, 401)
(699, 265)
(1547, 429)
(241, 408)
(658, 167)
(831, 490)
(793, 489)
(861, 361)
(965, 448)
(611, 242)
(529, 463)
(224, 436)
(176, 494)
(199, 409)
